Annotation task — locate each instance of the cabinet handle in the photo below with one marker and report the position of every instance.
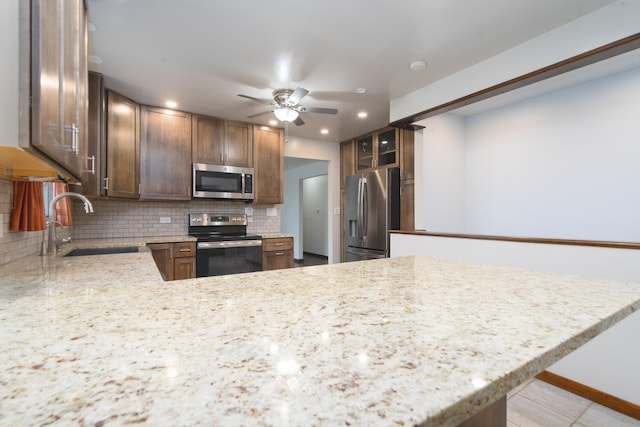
(279, 253)
(92, 171)
(221, 157)
(278, 244)
(74, 137)
(106, 183)
(185, 249)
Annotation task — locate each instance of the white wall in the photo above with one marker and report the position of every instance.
(442, 178)
(563, 165)
(608, 24)
(315, 213)
(330, 152)
(290, 211)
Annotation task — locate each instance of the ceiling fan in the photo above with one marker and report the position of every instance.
(286, 105)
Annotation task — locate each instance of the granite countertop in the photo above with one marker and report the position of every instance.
(400, 341)
(275, 235)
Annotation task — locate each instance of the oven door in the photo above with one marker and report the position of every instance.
(228, 257)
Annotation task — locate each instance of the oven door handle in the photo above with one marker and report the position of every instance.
(229, 244)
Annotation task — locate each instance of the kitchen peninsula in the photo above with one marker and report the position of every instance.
(399, 341)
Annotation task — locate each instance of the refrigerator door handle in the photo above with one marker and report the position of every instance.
(359, 209)
(365, 208)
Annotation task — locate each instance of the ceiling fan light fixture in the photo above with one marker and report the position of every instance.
(285, 114)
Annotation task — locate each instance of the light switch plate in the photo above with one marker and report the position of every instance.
(248, 211)
(165, 220)
(272, 211)
(336, 211)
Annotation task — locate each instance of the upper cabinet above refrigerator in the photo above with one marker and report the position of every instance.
(378, 149)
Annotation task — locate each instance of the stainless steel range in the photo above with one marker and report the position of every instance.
(223, 245)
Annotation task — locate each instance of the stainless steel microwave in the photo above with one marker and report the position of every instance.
(222, 182)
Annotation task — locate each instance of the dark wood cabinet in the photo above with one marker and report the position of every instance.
(92, 177)
(347, 160)
(277, 253)
(377, 150)
(165, 154)
(122, 146)
(175, 261)
(221, 142)
(59, 82)
(268, 165)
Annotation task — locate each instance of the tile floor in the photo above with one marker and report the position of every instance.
(310, 259)
(536, 403)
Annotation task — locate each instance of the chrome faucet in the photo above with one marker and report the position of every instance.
(51, 223)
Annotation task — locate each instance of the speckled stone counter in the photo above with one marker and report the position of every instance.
(101, 339)
(275, 235)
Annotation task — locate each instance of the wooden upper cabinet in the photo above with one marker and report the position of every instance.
(377, 150)
(268, 165)
(407, 162)
(347, 160)
(92, 177)
(122, 146)
(238, 144)
(221, 142)
(165, 154)
(59, 82)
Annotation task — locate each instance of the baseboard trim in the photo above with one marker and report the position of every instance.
(597, 396)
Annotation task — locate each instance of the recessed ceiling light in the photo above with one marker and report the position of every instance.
(417, 66)
(94, 59)
(171, 104)
(324, 131)
(361, 90)
(362, 114)
(273, 122)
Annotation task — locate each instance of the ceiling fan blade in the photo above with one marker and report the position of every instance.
(297, 96)
(266, 101)
(260, 114)
(318, 110)
(298, 121)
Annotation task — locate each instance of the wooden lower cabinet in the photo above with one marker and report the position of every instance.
(175, 261)
(277, 253)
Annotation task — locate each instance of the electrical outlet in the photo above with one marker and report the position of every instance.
(165, 220)
(272, 211)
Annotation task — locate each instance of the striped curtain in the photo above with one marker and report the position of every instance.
(27, 210)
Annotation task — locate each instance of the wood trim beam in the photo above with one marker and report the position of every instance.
(597, 396)
(601, 53)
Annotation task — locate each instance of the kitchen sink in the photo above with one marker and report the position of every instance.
(102, 251)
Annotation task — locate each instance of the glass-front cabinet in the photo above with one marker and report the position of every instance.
(378, 149)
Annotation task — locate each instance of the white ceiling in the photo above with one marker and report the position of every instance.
(203, 53)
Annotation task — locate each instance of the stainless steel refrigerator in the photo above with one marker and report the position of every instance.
(371, 208)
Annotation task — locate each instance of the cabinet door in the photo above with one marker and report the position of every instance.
(407, 222)
(268, 165)
(165, 154)
(238, 144)
(386, 148)
(123, 146)
(92, 184)
(208, 140)
(347, 160)
(277, 260)
(163, 256)
(407, 150)
(184, 268)
(364, 152)
(58, 83)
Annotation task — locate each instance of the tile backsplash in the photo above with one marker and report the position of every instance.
(122, 218)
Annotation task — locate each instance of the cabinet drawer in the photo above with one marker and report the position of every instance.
(276, 260)
(184, 249)
(279, 244)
